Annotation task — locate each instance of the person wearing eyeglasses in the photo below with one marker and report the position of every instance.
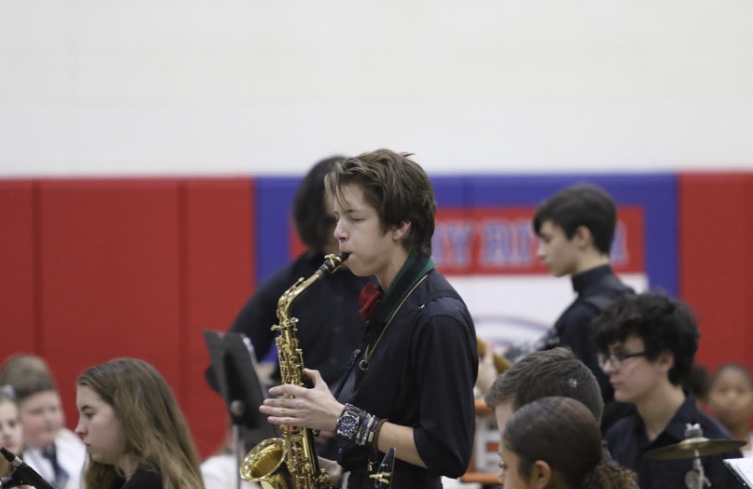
(648, 342)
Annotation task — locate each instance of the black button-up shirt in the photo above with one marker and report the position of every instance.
(421, 375)
(628, 442)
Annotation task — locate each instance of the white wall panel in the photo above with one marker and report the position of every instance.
(250, 87)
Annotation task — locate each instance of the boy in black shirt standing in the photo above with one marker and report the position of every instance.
(576, 227)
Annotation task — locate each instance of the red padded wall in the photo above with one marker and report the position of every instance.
(97, 269)
(109, 276)
(18, 312)
(716, 266)
(219, 267)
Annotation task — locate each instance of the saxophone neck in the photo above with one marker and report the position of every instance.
(331, 264)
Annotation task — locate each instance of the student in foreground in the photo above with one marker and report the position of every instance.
(401, 391)
(555, 443)
(134, 431)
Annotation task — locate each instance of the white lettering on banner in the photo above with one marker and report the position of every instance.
(452, 243)
(619, 251)
(506, 243)
(488, 242)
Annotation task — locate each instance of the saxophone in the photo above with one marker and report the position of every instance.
(264, 463)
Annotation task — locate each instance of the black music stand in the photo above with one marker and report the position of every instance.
(234, 365)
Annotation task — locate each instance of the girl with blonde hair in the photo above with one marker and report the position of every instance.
(134, 431)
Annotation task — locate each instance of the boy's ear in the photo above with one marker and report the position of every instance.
(583, 237)
(399, 232)
(665, 361)
(541, 474)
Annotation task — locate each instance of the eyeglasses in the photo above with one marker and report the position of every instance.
(617, 358)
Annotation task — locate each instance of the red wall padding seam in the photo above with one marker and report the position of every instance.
(126, 267)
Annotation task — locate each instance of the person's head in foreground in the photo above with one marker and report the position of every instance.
(555, 443)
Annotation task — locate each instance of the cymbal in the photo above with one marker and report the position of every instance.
(687, 448)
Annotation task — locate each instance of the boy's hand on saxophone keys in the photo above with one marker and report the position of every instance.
(315, 408)
(334, 471)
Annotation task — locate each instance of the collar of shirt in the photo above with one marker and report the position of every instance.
(674, 432)
(583, 280)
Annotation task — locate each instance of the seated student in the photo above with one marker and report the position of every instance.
(11, 430)
(54, 451)
(555, 443)
(730, 401)
(649, 342)
(134, 431)
(541, 374)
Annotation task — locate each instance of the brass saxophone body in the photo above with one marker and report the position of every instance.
(290, 462)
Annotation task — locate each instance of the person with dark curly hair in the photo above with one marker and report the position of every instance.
(648, 342)
(555, 443)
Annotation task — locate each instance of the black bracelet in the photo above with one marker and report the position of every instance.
(366, 427)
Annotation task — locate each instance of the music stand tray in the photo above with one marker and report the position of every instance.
(234, 365)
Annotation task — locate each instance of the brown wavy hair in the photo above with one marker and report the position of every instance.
(397, 187)
(156, 432)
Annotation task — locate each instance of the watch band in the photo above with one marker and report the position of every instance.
(349, 422)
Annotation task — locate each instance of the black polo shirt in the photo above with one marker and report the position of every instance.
(627, 442)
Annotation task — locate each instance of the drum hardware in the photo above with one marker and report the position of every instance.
(694, 446)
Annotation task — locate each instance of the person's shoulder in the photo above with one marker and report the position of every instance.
(301, 266)
(144, 479)
(437, 296)
(579, 313)
(622, 428)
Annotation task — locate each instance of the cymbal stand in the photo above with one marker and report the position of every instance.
(695, 478)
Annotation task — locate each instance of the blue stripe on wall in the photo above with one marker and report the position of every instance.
(655, 193)
(273, 208)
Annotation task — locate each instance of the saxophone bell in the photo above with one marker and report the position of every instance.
(265, 464)
(290, 462)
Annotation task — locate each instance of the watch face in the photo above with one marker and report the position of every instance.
(348, 425)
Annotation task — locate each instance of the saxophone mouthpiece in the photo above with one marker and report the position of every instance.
(332, 263)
